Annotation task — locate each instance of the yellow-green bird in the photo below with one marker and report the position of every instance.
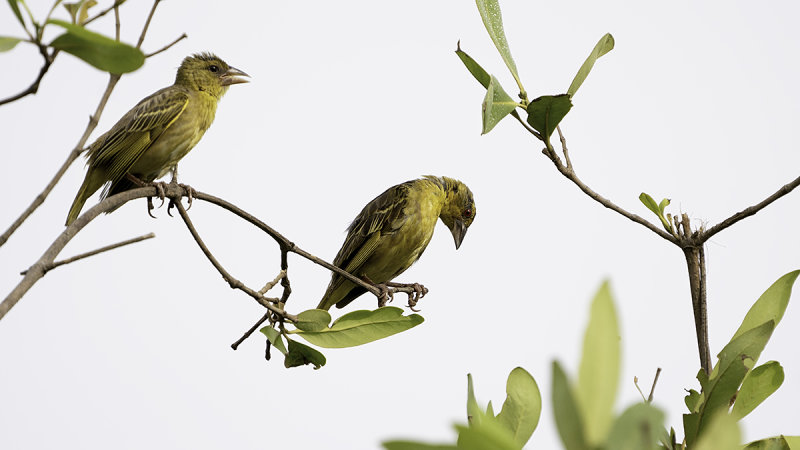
(150, 139)
(392, 231)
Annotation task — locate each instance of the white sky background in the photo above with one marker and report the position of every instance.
(130, 349)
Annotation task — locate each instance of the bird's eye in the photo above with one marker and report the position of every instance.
(213, 68)
(467, 213)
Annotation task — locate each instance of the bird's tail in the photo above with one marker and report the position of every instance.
(90, 185)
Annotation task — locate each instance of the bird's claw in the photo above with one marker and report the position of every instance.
(385, 296)
(415, 296)
(190, 193)
(160, 193)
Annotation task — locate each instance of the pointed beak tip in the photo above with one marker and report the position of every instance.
(231, 76)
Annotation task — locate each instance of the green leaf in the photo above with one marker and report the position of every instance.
(759, 384)
(496, 105)
(473, 410)
(274, 337)
(493, 21)
(361, 327)
(546, 112)
(771, 305)
(490, 409)
(568, 419)
(604, 45)
(692, 400)
(474, 68)
(722, 434)
(522, 407)
(487, 434)
(774, 443)
(793, 441)
(313, 320)
(598, 376)
(657, 209)
(72, 9)
(410, 445)
(15, 9)
(638, 428)
(7, 43)
(301, 354)
(100, 51)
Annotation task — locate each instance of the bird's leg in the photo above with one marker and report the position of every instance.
(414, 295)
(159, 188)
(190, 192)
(385, 294)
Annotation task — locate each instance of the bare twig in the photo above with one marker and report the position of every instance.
(52, 266)
(104, 12)
(271, 284)
(249, 332)
(34, 87)
(147, 23)
(564, 147)
(232, 282)
(653, 389)
(168, 46)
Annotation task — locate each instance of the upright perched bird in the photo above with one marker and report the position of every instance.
(150, 139)
(392, 231)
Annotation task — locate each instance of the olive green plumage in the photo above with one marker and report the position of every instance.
(151, 138)
(392, 231)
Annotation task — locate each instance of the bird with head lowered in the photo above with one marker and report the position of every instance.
(392, 231)
(150, 139)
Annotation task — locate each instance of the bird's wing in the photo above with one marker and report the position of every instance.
(381, 217)
(120, 148)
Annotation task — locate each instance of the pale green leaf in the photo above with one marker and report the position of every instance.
(721, 434)
(496, 105)
(657, 209)
(793, 441)
(598, 376)
(493, 21)
(474, 68)
(15, 9)
(275, 339)
(774, 443)
(567, 415)
(8, 43)
(771, 305)
(490, 409)
(410, 445)
(638, 428)
(522, 407)
(100, 51)
(473, 410)
(546, 112)
(759, 384)
(603, 46)
(361, 327)
(485, 435)
(313, 320)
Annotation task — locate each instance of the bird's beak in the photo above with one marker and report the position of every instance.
(459, 230)
(230, 77)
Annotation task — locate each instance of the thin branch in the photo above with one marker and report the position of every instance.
(167, 47)
(653, 389)
(564, 147)
(34, 87)
(526, 126)
(271, 284)
(52, 266)
(249, 332)
(104, 12)
(147, 23)
(232, 281)
(747, 212)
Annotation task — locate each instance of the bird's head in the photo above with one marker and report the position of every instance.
(458, 211)
(208, 72)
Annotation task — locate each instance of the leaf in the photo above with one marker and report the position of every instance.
(473, 410)
(72, 9)
(487, 434)
(100, 51)
(301, 354)
(565, 410)
(83, 14)
(793, 441)
(692, 400)
(722, 434)
(493, 21)
(598, 376)
(474, 68)
(361, 327)
(313, 320)
(771, 305)
(546, 112)
(522, 407)
(274, 337)
(496, 105)
(410, 445)
(15, 9)
(603, 46)
(7, 43)
(774, 443)
(657, 209)
(638, 428)
(759, 384)
(490, 409)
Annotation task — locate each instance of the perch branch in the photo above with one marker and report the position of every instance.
(106, 248)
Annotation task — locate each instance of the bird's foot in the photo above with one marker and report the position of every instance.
(160, 193)
(385, 296)
(415, 292)
(190, 194)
